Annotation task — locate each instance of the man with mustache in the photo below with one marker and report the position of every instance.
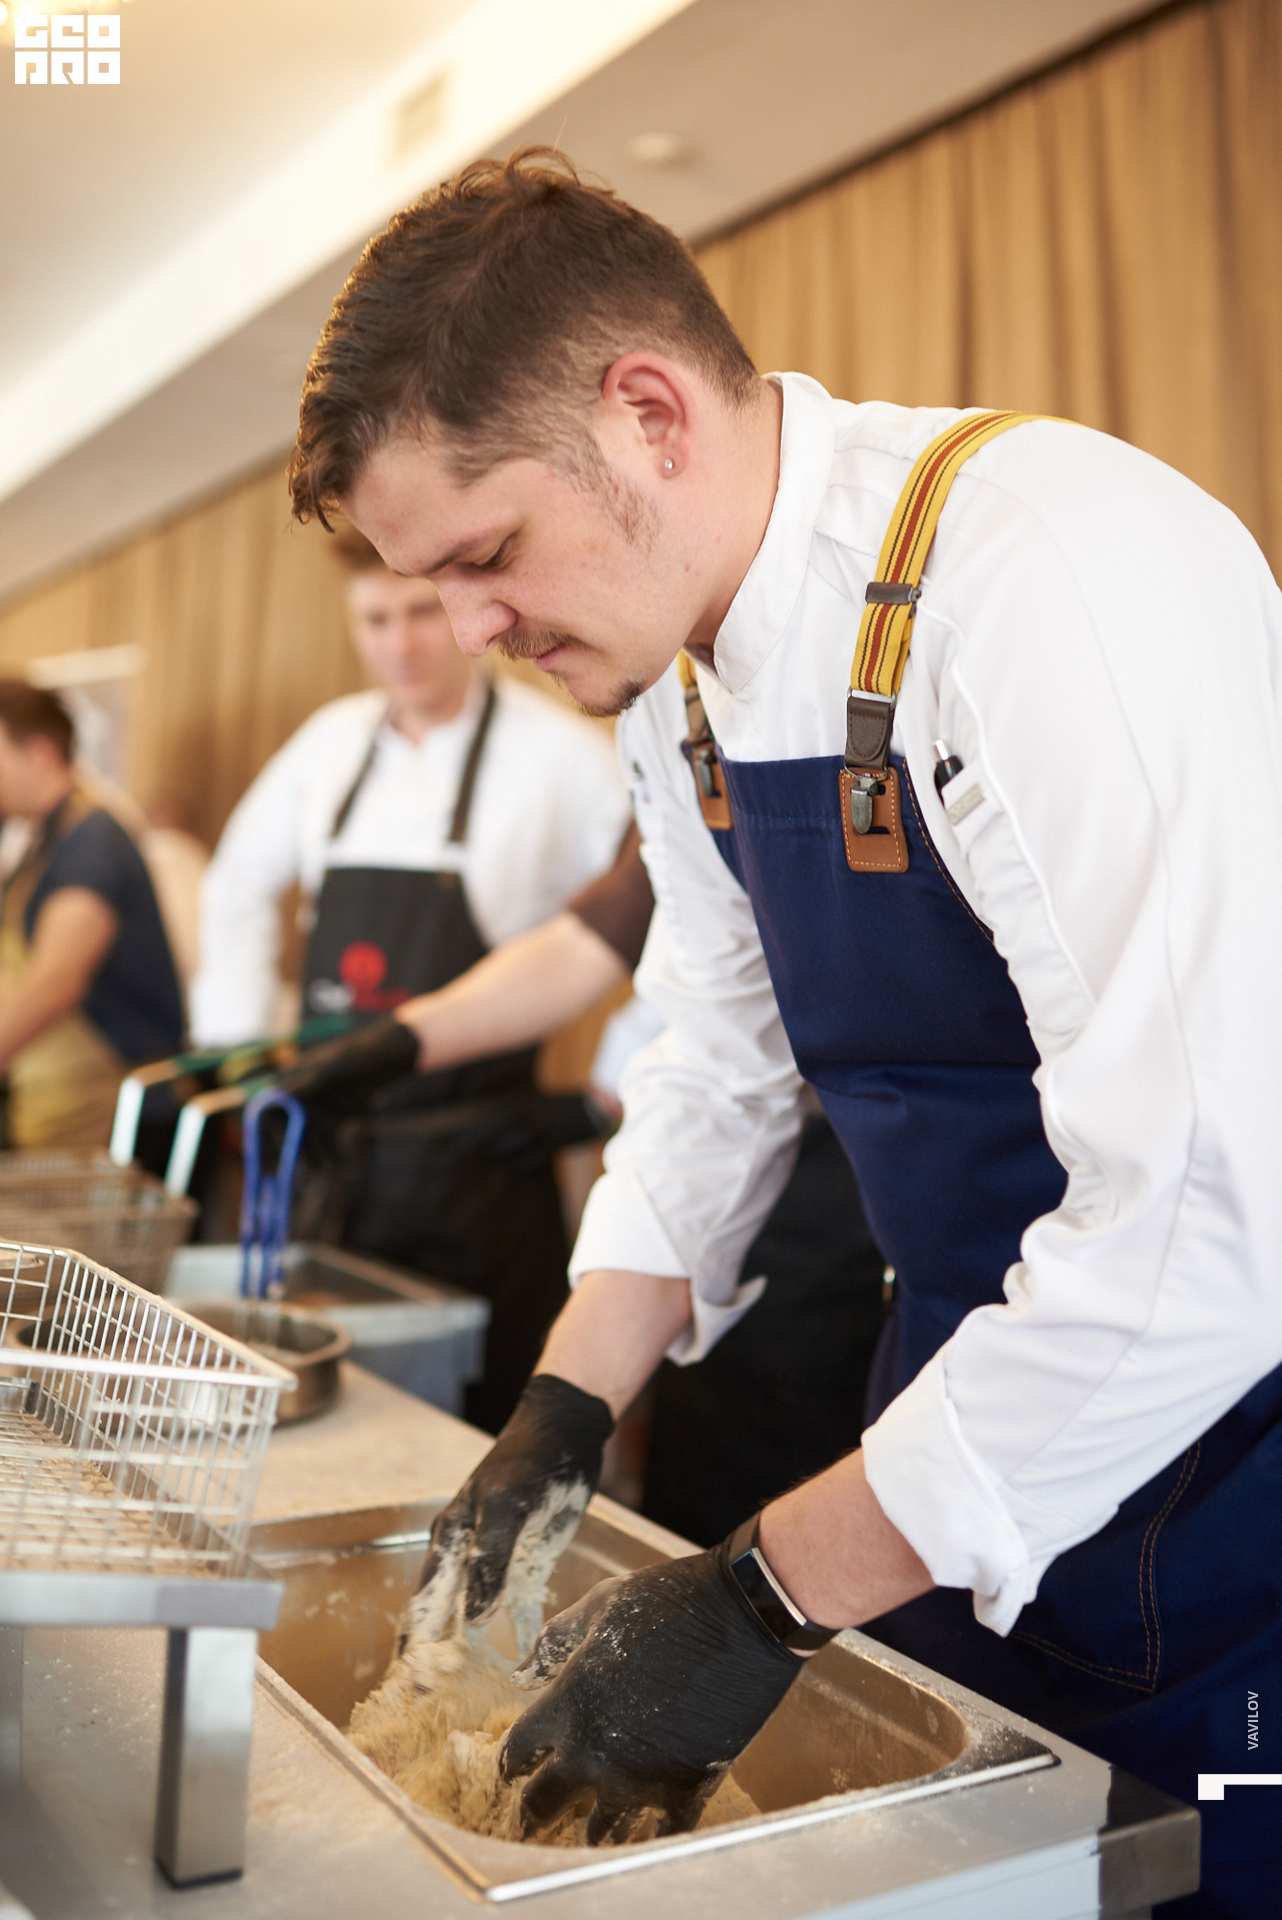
(963, 803)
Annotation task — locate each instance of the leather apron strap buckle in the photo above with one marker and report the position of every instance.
(709, 775)
(872, 826)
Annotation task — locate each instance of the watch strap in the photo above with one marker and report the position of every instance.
(778, 1614)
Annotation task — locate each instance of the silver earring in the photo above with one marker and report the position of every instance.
(669, 466)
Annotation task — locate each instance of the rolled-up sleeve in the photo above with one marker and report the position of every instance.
(711, 1114)
(1134, 894)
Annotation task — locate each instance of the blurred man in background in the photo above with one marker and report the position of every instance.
(425, 821)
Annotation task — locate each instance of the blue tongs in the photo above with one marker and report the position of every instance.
(264, 1207)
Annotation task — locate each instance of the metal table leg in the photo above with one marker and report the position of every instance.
(10, 1702)
(204, 1753)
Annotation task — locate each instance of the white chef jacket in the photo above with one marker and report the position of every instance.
(548, 812)
(1101, 644)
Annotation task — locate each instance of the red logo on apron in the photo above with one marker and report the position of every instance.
(362, 965)
(361, 968)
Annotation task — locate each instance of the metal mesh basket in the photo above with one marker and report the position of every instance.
(18, 1164)
(131, 1436)
(121, 1217)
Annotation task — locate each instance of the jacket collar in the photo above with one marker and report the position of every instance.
(769, 591)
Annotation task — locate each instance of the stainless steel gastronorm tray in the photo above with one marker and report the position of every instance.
(858, 1730)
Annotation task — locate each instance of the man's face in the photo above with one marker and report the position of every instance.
(403, 634)
(579, 578)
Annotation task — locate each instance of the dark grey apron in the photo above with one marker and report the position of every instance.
(419, 1185)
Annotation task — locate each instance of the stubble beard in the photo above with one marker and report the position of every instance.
(638, 523)
(528, 643)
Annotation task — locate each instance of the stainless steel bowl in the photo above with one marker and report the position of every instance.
(309, 1346)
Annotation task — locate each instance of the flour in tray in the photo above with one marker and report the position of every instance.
(435, 1727)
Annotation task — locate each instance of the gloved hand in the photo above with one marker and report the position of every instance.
(661, 1680)
(513, 1517)
(526, 1129)
(340, 1075)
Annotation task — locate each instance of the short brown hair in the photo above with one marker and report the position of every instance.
(27, 712)
(489, 313)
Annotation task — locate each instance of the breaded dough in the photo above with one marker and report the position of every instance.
(435, 1727)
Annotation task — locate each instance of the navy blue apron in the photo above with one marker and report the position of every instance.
(1146, 1643)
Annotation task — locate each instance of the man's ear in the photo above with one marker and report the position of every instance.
(649, 398)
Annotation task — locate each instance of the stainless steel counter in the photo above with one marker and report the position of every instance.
(76, 1822)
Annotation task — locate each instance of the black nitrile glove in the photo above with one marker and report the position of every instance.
(522, 1504)
(526, 1129)
(661, 1680)
(340, 1076)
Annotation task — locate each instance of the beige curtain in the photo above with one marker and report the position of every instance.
(1104, 244)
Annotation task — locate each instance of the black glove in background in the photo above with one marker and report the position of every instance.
(524, 1500)
(661, 1680)
(340, 1075)
(526, 1129)
(336, 1082)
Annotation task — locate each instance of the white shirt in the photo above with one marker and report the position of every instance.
(548, 812)
(1101, 643)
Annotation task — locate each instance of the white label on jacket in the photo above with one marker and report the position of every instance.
(966, 803)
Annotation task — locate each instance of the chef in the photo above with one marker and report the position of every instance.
(425, 820)
(1037, 998)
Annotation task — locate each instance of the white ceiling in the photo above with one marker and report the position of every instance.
(175, 242)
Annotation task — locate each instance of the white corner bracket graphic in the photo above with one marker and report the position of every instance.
(1210, 1786)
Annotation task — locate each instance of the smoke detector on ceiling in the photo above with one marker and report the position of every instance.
(659, 149)
(421, 116)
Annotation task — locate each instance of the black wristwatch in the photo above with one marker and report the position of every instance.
(779, 1615)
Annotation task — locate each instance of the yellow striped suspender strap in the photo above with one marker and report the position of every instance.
(709, 780)
(871, 820)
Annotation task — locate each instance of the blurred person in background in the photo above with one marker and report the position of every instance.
(88, 986)
(425, 821)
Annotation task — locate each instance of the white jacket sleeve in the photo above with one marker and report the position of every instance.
(711, 1114)
(1121, 830)
(234, 994)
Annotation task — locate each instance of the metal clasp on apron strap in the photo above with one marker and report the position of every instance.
(868, 786)
(872, 826)
(709, 779)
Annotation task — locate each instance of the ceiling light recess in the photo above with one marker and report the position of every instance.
(659, 149)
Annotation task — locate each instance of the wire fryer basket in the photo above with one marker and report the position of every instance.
(120, 1217)
(132, 1436)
